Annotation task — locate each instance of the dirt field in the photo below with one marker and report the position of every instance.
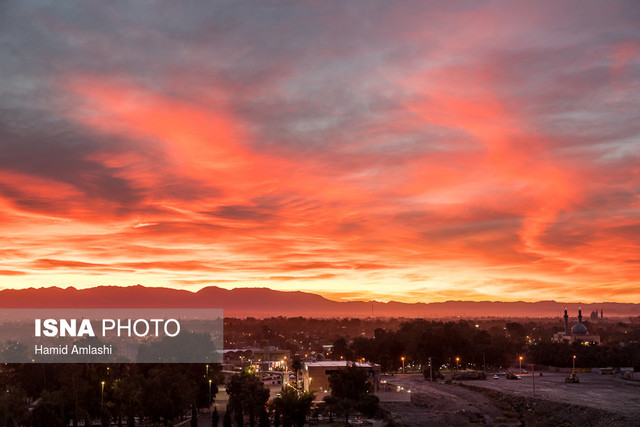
(597, 401)
(597, 391)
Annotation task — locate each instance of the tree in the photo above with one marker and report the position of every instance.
(247, 396)
(215, 417)
(351, 391)
(294, 406)
(194, 417)
(341, 350)
(276, 417)
(226, 420)
(296, 366)
(264, 419)
(166, 393)
(46, 412)
(516, 330)
(368, 405)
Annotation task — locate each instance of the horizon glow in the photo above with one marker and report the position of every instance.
(380, 150)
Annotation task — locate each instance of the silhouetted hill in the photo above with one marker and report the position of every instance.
(264, 302)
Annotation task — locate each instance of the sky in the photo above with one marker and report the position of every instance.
(408, 151)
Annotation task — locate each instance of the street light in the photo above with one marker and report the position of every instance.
(574, 363)
(209, 402)
(402, 358)
(102, 396)
(6, 409)
(457, 360)
(520, 363)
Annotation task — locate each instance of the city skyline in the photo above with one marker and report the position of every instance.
(389, 151)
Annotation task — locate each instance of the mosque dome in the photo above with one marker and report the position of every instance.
(579, 329)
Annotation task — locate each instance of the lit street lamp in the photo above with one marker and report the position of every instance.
(209, 401)
(102, 402)
(574, 363)
(457, 360)
(402, 358)
(520, 363)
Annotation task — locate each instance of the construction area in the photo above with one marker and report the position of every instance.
(596, 400)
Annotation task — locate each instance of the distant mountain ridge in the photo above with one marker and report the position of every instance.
(264, 302)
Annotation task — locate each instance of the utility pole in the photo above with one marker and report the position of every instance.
(209, 401)
(430, 371)
(533, 378)
(102, 396)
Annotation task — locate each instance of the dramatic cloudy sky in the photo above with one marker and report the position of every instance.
(416, 151)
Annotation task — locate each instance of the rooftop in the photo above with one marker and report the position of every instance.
(340, 363)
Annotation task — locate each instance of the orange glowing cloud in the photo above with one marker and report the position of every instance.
(474, 152)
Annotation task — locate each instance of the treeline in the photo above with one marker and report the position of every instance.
(56, 395)
(126, 394)
(499, 347)
(351, 393)
(443, 342)
(592, 356)
(249, 403)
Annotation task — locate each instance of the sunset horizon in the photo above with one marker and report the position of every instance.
(476, 152)
(330, 296)
(264, 303)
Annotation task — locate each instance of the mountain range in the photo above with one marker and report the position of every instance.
(265, 302)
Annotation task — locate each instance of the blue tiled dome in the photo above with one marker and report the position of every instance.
(579, 329)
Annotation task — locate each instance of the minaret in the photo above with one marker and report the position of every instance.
(566, 322)
(579, 315)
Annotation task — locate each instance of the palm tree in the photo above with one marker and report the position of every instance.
(296, 366)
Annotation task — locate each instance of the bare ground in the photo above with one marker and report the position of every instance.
(508, 403)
